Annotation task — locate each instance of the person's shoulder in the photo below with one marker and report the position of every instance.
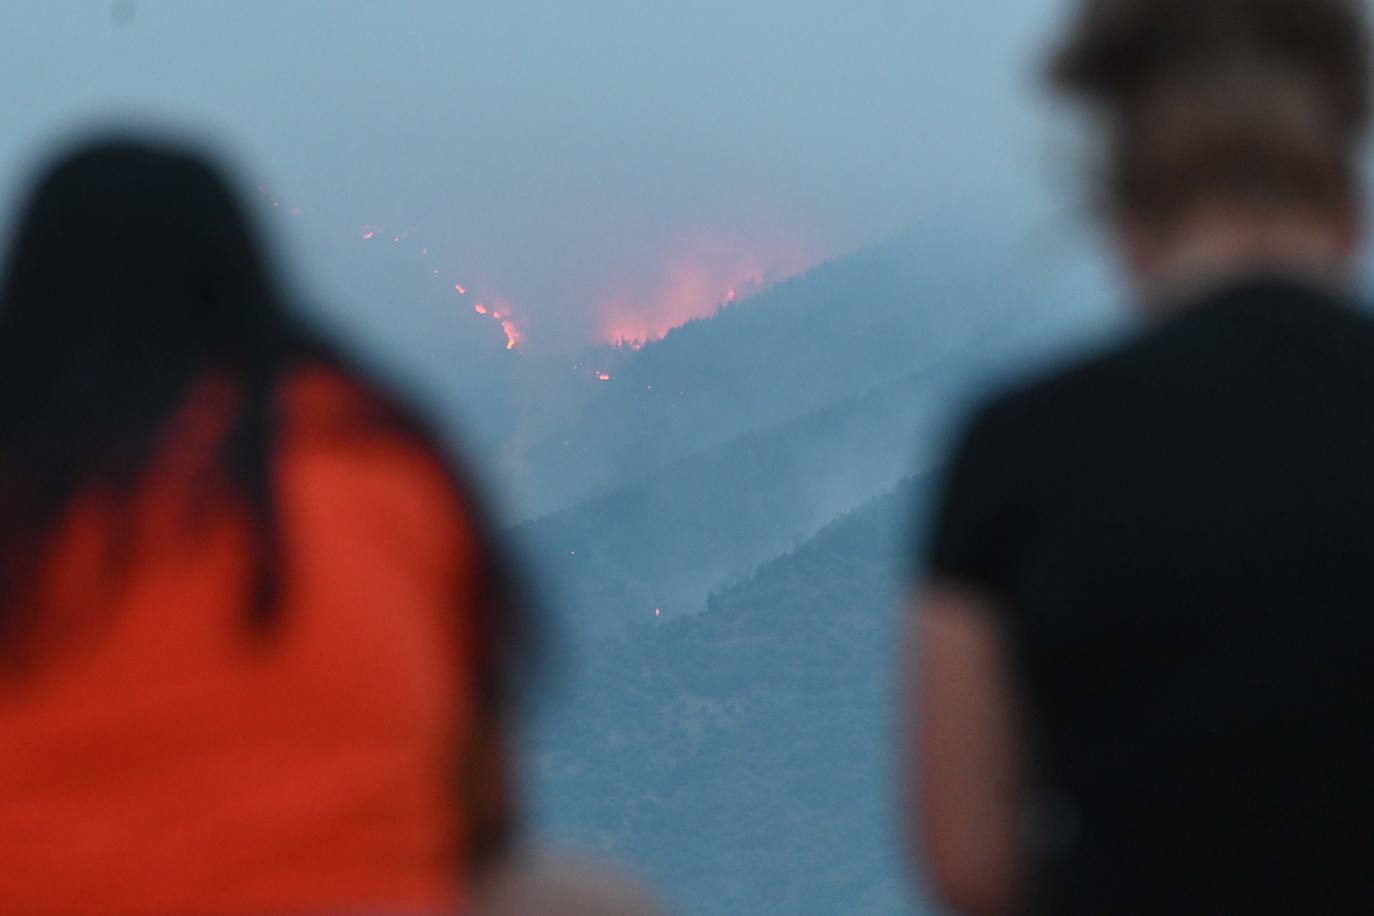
(1236, 328)
(329, 413)
(1048, 409)
(354, 453)
(319, 398)
(1050, 396)
(323, 404)
(1188, 355)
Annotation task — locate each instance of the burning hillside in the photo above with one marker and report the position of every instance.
(704, 278)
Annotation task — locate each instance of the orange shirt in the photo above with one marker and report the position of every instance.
(157, 760)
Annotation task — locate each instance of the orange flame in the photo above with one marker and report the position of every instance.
(368, 234)
(480, 309)
(603, 376)
(462, 290)
(708, 275)
(512, 334)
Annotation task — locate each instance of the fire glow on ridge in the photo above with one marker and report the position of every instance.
(693, 285)
(705, 277)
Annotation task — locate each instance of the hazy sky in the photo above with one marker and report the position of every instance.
(595, 166)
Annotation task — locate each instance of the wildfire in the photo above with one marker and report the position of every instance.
(603, 376)
(369, 231)
(498, 313)
(708, 275)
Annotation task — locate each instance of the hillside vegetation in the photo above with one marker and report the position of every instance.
(740, 758)
(737, 748)
(845, 328)
(710, 519)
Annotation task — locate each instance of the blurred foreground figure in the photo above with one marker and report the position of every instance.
(250, 630)
(562, 888)
(1143, 662)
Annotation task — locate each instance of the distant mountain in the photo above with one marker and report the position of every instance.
(739, 754)
(706, 521)
(702, 522)
(548, 433)
(841, 329)
(741, 758)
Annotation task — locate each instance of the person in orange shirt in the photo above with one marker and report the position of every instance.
(256, 647)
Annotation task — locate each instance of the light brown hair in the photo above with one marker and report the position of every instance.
(1251, 104)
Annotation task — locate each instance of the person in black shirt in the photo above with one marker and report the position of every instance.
(1143, 657)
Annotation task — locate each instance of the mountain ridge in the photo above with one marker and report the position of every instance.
(741, 757)
(832, 333)
(706, 520)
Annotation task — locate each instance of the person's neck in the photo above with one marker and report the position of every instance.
(1218, 251)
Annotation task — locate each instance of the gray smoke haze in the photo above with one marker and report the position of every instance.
(601, 169)
(578, 162)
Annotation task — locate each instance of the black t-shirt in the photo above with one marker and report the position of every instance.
(1180, 535)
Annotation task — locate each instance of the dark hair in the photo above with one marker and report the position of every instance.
(134, 274)
(1252, 103)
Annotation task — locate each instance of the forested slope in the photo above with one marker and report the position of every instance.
(741, 758)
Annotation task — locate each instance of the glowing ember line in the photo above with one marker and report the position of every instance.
(369, 231)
